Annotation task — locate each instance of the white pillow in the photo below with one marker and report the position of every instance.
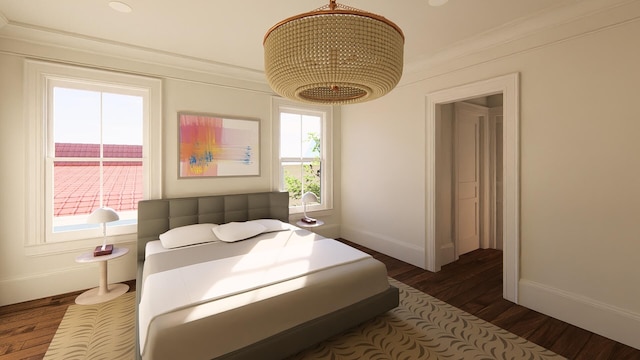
(272, 224)
(235, 231)
(188, 235)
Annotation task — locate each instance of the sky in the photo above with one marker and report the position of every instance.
(77, 115)
(295, 127)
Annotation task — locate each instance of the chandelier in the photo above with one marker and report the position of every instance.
(334, 55)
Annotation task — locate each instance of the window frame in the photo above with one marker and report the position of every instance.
(325, 112)
(40, 79)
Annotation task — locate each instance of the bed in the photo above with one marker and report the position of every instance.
(267, 290)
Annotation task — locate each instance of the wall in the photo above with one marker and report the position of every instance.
(578, 177)
(579, 166)
(25, 277)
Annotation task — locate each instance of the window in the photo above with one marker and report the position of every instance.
(94, 155)
(90, 138)
(303, 137)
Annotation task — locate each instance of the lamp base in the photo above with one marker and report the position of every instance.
(308, 220)
(99, 252)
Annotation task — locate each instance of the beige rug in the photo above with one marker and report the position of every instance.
(96, 332)
(422, 327)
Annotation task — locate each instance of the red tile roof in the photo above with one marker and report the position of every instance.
(76, 185)
(93, 150)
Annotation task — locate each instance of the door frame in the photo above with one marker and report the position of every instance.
(508, 85)
(493, 122)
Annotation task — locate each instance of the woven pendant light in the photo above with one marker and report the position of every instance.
(334, 55)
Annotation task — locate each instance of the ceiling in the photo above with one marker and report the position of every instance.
(231, 32)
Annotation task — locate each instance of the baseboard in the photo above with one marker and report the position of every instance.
(609, 321)
(447, 254)
(61, 281)
(408, 253)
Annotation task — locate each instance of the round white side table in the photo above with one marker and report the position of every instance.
(104, 292)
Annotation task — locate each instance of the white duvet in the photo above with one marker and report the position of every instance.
(217, 279)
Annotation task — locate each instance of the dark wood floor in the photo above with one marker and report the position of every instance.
(27, 328)
(473, 284)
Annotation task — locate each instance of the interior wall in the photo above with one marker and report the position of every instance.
(578, 168)
(179, 96)
(25, 277)
(383, 180)
(490, 101)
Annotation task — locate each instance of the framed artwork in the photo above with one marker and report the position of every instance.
(212, 145)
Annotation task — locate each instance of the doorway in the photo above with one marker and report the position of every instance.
(468, 176)
(435, 252)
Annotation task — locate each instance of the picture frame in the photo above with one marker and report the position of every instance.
(212, 145)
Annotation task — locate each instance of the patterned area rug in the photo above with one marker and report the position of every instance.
(96, 332)
(422, 327)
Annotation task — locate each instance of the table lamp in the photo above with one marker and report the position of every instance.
(308, 197)
(102, 216)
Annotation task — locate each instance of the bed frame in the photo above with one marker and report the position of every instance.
(157, 216)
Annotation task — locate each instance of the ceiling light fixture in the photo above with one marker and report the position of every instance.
(334, 55)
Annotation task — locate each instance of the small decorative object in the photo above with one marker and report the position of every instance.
(334, 55)
(212, 145)
(102, 216)
(308, 197)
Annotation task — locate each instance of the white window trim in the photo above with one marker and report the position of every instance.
(279, 105)
(38, 75)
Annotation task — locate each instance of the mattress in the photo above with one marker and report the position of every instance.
(210, 327)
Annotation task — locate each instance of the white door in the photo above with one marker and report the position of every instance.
(467, 180)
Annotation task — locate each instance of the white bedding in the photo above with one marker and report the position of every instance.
(309, 275)
(217, 279)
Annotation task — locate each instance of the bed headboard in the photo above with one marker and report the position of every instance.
(157, 216)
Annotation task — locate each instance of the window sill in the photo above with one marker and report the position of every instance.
(66, 247)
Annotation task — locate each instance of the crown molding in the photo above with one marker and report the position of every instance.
(48, 37)
(566, 19)
(545, 27)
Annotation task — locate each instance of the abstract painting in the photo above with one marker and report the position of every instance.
(212, 145)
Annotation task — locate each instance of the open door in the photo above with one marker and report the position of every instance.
(467, 177)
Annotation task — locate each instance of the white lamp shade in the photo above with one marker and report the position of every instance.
(103, 215)
(309, 197)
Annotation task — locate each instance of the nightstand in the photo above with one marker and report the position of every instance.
(104, 292)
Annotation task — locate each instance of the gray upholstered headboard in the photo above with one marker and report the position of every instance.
(157, 216)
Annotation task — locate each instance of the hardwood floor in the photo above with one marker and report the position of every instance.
(27, 328)
(473, 284)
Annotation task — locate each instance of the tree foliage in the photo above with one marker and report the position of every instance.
(311, 172)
